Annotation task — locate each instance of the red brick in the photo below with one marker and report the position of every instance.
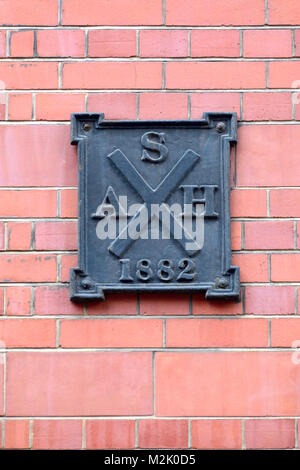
(210, 75)
(267, 43)
(21, 43)
(110, 434)
(29, 75)
(1, 305)
(113, 105)
(265, 146)
(56, 235)
(236, 235)
(163, 106)
(17, 434)
(18, 300)
(80, 384)
(61, 43)
(285, 267)
(298, 234)
(201, 102)
(69, 203)
(116, 333)
(27, 268)
(2, 107)
(62, 434)
(164, 304)
(267, 106)
(166, 43)
(2, 236)
(215, 333)
(228, 383)
(121, 304)
(20, 106)
(296, 101)
(29, 203)
(297, 42)
(286, 12)
(28, 333)
(3, 98)
(285, 333)
(37, 155)
(285, 202)
(31, 12)
(270, 235)
(207, 13)
(283, 74)
(248, 203)
(215, 43)
(298, 428)
(270, 300)
(2, 43)
(253, 267)
(216, 434)
(204, 307)
(112, 43)
(68, 262)
(270, 433)
(122, 12)
(19, 235)
(55, 300)
(58, 106)
(111, 75)
(2, 357)
(163, 434)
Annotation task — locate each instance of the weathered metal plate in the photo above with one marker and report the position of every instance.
(154, 212)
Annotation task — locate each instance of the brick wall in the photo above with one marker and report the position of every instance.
(148, 371)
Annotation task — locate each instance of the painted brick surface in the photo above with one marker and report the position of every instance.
(267, 43)
(58, 106)
(18, 300)
(138, 370)
(216, 434)
(112, 43)
(33, 12)
(215, 43)
(110, 434)
(201, 101)
(60, 43)
(17, 434)
(159, 434)
(270, 434)
(267, 387)
(57, 434)
(21, 43)
(19, 106)
(97, 383)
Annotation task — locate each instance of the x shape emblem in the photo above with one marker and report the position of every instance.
(148, 194)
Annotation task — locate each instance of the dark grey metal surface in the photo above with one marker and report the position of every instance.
(154, 162)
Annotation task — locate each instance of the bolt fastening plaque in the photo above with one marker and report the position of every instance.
(154, 206)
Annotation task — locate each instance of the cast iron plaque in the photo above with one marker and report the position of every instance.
(154, 206)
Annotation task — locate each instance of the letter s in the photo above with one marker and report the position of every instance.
(150, 144)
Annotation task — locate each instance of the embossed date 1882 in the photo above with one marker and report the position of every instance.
(166, 270)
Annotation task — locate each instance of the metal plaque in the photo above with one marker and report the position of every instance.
(154, 212)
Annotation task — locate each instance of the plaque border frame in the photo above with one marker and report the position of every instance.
(226, 286)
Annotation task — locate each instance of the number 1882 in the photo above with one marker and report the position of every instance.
(165, 270)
